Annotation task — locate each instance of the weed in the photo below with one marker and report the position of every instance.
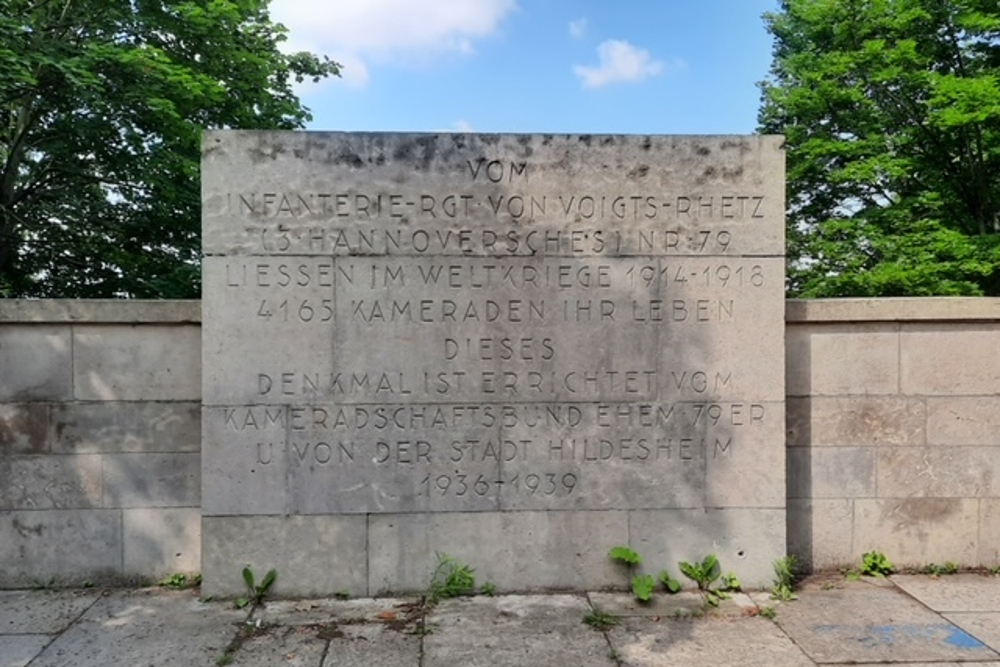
(995, 570)
(224, 659)
(642, 587)
(937, 570)
(601, 620)
(450, 579)
(704, 573)
(768, 613)
(180, 582)
(342, 595)
(255, 591)
(88, 584)
(489, 589)
(671, 584)
(625, 555)
(875, 564)
(784, 579)
(730, 582)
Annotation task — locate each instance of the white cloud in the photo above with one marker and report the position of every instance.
(462, 126)
(619, 62)
(354, 32)
(578, 28)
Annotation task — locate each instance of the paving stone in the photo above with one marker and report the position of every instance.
(366, 645)
(145, 627)
(957, 592)
(19, 650)
(310, 612)
(984, 626)
(662, 605)
(748, 642)
(41, 612)
(863, 623)
(514, 630)
(293, 646)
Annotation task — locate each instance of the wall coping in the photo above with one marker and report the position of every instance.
(99, 311)
(895, 309)
(797, 311)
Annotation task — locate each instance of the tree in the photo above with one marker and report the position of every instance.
(102, 104)
(891, 110)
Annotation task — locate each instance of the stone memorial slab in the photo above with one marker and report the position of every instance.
(473, 323)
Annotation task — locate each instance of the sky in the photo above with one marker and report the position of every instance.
(534, 66)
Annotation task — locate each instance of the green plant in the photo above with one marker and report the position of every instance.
(704, 573)
(642, 587)
(600, 620)
(875, 564)
(784, 579)
(995, 570)
(255, 591)
(768, 613)
(450, 579)
(342, 595)
(489, 588)
(625, 555)
(730, 582)
(180, 581)
(938, 570)
(671, 584)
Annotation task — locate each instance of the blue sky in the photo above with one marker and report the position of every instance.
(625, 66)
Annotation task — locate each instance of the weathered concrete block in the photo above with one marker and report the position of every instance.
(745, 468)
(949, 359)
(842, 359)
(551, 550)
(856, 420)
(160, 542)
(152, 480)
(913, 532)
(746, 541)
(116, 427)
(821, 532)
(62, 547)
(963, 420)
(939, 472)
(128, 363)
(831, 472)
(50, 482)
(313, 555)
(37, 364)
(24, 428)
(989, 532)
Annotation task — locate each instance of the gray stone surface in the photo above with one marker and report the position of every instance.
(42, 612)
(820, 533)
(19, 650)
(130, 311)
(969, 367)
(916, 531)
(161, 541)
(143, 628)
(862, 623)
(984, 626)
(114, 427)
(512, 631)
(963, 420)
(51, 482)
(939, 472)
(24, 428)
(831, 472)
(834, 359)
(640, 642)
(431, 324)
(841, 421)
(152, 480)
(37, 363)
(958, 592)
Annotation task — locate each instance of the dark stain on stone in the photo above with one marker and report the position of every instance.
(607, 140)
(28, 424)
(703, 150)
(585, 139)
(24, 530)
(732, 175)
(379, 160)
(924, 510)
(350, 158)
(647, 143)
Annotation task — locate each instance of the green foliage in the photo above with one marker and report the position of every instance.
(891, 113)
(768, 613)
(255, 592)
(489, 589)
(784, 579)
(451, 578)
(704, 573)
(102, 104)
(642, 587)
(625, 555)
(600, 620)
(875, 564)
(730, 582)
(938, 570)
(180, 581)
(671, 584)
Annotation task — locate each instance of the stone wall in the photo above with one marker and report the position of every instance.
(893, 435)
(100, 471)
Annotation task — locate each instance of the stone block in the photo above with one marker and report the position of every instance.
(313, 555)
(130, 363)
(831, 472)
(118, 427)
(24, 428)
(836, 360)
(160, 542)
(551, 550)
(152, 480)
(745, 468)
(989, 532)
(913, 532)
(244, 460)
(938, 472)
(856, 420)
(60, 547)
(746, 541)
(821, 532)
(50, 482)
(949, 359)
(37, 363)
(963, 420)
